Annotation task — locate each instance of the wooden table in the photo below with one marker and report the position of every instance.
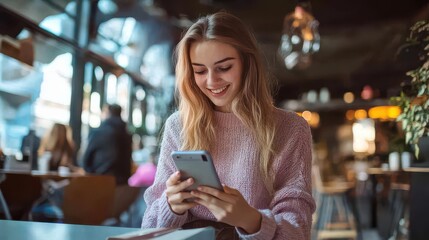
(23, 230)
(87, 199)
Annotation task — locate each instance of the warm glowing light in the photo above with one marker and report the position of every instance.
(384, 112)
(393, 111)
(300, 39)
(360, 114)
(306, 115)
(367, 92)
(364, 136)
(315, 120)
(349, 97)
(312, 118)
(350, 115)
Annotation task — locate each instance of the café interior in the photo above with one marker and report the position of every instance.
(347, 67)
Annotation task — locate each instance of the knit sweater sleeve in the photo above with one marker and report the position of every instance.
(158, 212)
(290, 213)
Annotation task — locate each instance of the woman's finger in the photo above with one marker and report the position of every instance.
(224, 196)
(179, 197)
(173, 179)
(181, 186)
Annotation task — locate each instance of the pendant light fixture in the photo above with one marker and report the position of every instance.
(300, 37)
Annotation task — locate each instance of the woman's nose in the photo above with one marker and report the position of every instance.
(212, 77)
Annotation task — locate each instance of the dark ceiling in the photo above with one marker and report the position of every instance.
(359, 39)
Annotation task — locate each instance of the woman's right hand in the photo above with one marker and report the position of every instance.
(176, 195)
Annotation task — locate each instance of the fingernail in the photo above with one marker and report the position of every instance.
(190, 180)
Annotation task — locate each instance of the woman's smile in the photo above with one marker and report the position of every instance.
(217, 71)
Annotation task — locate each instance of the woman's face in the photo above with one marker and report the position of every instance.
(217, 71)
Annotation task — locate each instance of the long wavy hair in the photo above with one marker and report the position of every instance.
(253, 104)
(59, 142)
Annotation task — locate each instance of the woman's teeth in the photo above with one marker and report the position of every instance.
(218, 90)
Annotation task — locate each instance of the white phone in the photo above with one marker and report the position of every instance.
(199, 166)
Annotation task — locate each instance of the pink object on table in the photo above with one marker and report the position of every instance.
(144, 176)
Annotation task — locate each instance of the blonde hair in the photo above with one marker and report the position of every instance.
(253, 104)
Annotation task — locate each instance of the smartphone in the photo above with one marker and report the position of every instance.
(199, 166)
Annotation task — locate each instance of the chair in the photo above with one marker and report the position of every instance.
(334, 216)
(89, 199)
(398, 222)
(125, 196)
(3, 203)
(20, 191)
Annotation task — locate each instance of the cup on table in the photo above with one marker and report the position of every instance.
(63, 170)
(394, 161)
(43, 162)
(406, 159)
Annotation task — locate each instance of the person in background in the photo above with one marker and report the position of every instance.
(29, 147)
(145, 173)
(58, 147)
(109, 147)
(262, 154)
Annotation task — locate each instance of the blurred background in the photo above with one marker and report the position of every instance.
(336, 63)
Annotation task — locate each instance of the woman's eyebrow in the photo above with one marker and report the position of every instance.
(217, 62)
(224, 60)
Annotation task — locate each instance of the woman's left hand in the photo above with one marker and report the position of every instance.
(229, 207)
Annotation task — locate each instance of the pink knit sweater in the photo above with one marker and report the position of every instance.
(286, 214)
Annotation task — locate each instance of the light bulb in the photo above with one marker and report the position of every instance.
(300, 39)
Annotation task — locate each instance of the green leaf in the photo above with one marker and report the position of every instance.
(408, 136)
(422, 90)
(416, 150)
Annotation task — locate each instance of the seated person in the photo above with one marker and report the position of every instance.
(58, 147)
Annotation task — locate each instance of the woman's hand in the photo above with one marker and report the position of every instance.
(176, 196)
(229, 207)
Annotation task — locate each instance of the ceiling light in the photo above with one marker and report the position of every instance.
(300, 38)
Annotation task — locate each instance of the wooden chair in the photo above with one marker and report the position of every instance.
(20, 191)
(124, 197)
(334, 218)
(3, 204)
(89, 199)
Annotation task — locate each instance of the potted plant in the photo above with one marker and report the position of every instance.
(414, 97)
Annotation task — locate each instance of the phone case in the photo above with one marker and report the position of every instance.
(199, 166)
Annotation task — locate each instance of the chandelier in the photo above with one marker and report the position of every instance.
(300, 38)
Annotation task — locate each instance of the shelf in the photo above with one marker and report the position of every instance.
(333, 105)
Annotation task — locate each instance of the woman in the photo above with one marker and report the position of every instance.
(262, 154)
(58, 146)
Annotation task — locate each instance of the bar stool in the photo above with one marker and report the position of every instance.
(334, 216)
(398, 206)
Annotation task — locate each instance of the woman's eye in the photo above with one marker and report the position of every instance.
(200, 72)
(224, 69)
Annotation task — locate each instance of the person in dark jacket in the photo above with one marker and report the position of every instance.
(109, 147)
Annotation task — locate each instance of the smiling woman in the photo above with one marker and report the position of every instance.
(261, 154)
(217, 72)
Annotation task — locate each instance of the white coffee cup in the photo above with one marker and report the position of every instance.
(394, 161)
(43, 162)
(406, 159)
(63, 170)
